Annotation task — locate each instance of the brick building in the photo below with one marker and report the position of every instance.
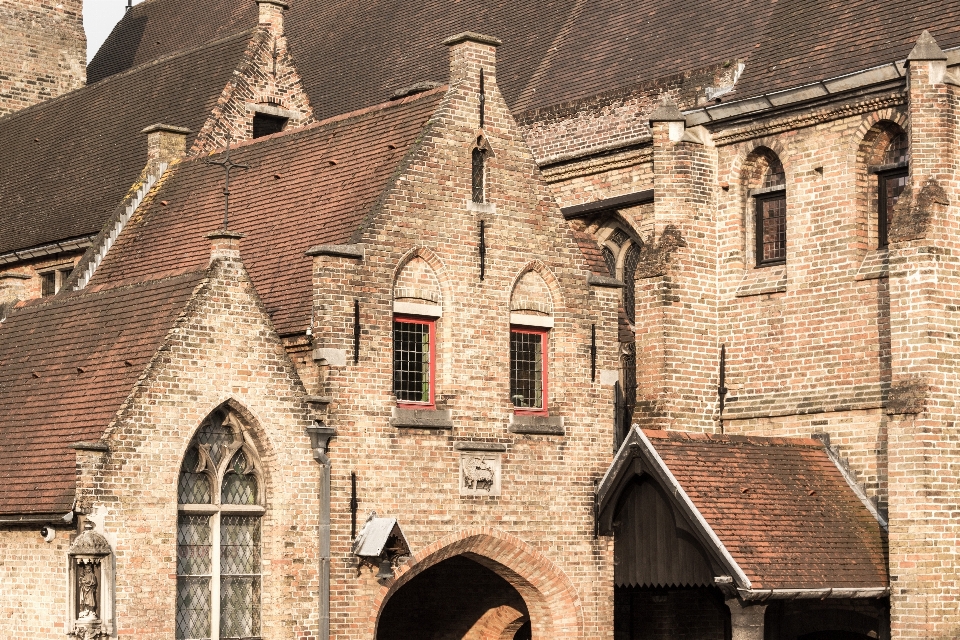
(629, 322)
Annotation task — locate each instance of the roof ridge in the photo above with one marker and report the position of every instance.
(383, 106)
(733, 438)
(107, 287)
(123, 74)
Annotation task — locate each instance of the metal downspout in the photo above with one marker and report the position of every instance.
(320, 435)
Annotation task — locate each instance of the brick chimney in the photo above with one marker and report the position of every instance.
(469, 53)
(224, 244)
(165, 144)
(271, 15)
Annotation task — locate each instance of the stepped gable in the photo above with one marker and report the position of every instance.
(159, 28)
(810, 41)
(780, 507)
(356, 53)
(305, 187)
(68, 162)
(67, 364)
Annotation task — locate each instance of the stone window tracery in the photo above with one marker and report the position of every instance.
(220, 504)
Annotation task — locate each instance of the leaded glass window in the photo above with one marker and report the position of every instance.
(413, 360)
(891, 184)
(479, 174)
(528, 369)
(771, 216)
(218, 534)
(630, 263)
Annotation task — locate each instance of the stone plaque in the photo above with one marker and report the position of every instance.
(479, 473)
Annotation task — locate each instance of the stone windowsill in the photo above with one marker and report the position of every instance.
(875, 265)
(764, 280)
(421, 418)
(537, 425)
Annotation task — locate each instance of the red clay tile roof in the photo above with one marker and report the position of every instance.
(67, 163)
(66, 365)
(780, 507)
(291, 198)
(809, 41)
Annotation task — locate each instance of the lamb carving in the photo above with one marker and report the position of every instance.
(477, 474)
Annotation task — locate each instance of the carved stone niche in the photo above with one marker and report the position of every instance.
(479, 473)
(91, 587)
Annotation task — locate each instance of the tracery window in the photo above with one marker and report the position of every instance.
(891, 181)
(220, 504)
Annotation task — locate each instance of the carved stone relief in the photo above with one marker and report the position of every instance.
(479, 473)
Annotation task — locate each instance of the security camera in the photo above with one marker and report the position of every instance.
(48, 534)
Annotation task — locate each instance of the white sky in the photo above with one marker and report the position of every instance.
(99, 16)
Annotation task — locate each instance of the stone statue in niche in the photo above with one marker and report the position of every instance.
(87, 591)
(479, 474)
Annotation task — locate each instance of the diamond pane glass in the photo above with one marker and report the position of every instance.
(240, 577)
(526, 369)
(240, 545)
(193, 488)
(240, 607)
(193, 608)
(411, 361)
(239, 487)
(216, 434)
(194, 542)
(630, 262)
(611, 261)
(478, 174)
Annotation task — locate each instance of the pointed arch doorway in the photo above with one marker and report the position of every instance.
(478, 584)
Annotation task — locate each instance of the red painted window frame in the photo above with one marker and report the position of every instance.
(544, 351)
(432, 323)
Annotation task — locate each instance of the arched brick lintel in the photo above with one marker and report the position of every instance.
(553, 603)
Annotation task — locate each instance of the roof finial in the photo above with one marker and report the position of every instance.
(129, 6)
(227, 165)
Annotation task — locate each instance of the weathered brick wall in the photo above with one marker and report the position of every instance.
(223, 348)
(412, 474)
(924, 443)
(33, 584)
(43, 51)
(266, 78)
(27, 289)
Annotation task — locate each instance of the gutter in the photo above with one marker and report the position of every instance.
(760, 595)
(893, 71)
(37, 518)
(51, 249)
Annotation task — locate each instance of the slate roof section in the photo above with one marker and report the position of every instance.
(67, 364)
(291, 198)
(159, 28)
(781, 508)
(809, 41)
(68, 162)
(354, 53)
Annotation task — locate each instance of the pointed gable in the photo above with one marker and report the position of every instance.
(303, 188)
(771, 513)
(67, 364)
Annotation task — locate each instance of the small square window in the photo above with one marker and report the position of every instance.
(413, 370)
(265, 124)
(52, 281)
(528, 370)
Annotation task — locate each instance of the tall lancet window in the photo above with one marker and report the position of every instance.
(479, 174)
(220, 504)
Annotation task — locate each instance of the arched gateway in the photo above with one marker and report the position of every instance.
(504, 584)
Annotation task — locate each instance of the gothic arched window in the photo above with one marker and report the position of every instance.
(220, 505)
(892, 179)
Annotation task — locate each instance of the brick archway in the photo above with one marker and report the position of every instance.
(553, 603)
